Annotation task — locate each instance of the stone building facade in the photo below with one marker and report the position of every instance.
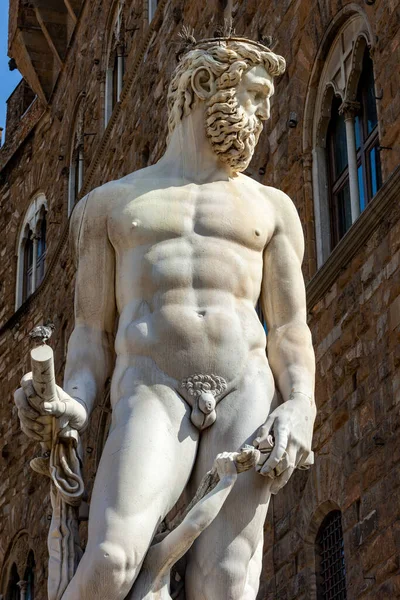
(92, 108)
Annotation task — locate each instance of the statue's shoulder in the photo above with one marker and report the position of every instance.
(280, 208)
(101, 200)
(285, 211)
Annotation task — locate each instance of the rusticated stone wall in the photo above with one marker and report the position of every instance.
(354, 313)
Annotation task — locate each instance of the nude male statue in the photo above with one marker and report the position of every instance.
(171, 261)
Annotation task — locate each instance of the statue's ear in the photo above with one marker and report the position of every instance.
(203, 82)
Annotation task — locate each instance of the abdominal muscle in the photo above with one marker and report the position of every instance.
(179, 341)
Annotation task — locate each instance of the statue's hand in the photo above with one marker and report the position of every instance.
(225, 465)
(33, 423)
(35, 414)
(291, 425)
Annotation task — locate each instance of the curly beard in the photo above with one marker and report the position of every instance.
(233, 134)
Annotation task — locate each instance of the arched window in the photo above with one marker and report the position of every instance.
(152, 8)
(31, 250)
(115, 66)
(346, 164)
(330, 563)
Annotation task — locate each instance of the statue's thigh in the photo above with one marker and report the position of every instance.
(144, 467)
(223, 553)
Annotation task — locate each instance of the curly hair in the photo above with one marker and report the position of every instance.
(227, 60)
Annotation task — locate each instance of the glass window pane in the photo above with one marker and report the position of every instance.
(340, 146)
(343, 209)
(375, 170)
(357, 131)
(41, 247)
(361, 190)
(372, 117)
(115, 81)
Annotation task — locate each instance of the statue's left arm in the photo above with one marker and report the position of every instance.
(290, 352)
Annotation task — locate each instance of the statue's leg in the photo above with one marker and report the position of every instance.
(144, 467)
(225, 561)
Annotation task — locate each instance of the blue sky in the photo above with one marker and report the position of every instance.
(8, 79)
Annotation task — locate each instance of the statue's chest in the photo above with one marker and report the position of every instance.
(164, 215)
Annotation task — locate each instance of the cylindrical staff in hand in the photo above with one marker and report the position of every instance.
(44, 382)
(60, 461)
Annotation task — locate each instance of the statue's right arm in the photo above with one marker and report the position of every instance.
(90, 355)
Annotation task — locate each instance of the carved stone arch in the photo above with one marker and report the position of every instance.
(328, 38)
(17, 553)
(76, 125)
(326, 111)
(37, 205)
(309, 536)
(113, 34)
(360, 45)
(333, 66)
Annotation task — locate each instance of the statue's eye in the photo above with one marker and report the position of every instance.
(258, 96)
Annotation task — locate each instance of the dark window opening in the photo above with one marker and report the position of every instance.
(27, 267)
(340, 205)
(29, 577)
(331, 568)
(13, 591)
(41, 251)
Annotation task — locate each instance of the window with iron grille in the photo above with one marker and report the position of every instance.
(331, 569)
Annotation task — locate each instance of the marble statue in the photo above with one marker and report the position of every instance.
(171, 262)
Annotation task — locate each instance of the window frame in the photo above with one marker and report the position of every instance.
(26, 283)
(336, 72)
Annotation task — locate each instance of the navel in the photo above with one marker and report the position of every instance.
(257, 232)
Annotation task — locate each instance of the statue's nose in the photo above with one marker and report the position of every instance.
(263, 111)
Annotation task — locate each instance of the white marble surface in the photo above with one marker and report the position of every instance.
(174, 259)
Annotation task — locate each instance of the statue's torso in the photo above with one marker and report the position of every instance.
(188, 273)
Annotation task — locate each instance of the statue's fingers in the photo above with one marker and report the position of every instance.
(28, 413)
(31, 433)
(306, 461)
(20, 399)
(27, 385)
(281, 442)
(55, 408)
(45, 420)
(263, 432)
(281, 481)
(283, 464)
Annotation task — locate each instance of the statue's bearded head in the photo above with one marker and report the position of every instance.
(235, 80)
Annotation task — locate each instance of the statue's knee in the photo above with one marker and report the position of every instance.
(110, 567)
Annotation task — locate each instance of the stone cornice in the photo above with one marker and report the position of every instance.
(355, 238)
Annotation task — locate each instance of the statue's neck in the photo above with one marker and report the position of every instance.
(189, 154)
